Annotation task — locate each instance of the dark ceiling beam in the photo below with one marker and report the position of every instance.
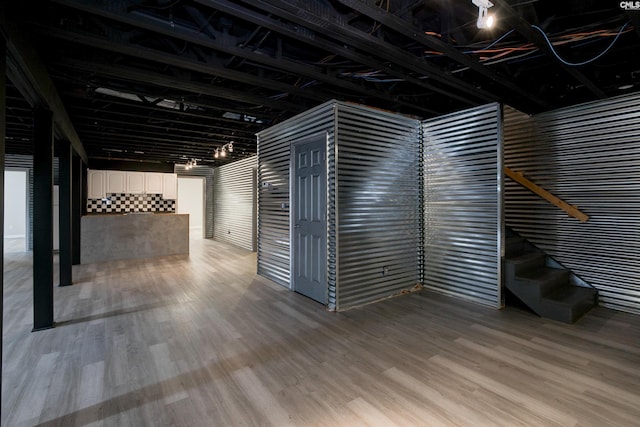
(524, 28)
(149, 108)
(153, 131)
(105, 143)
(127, 124)
(180, 61)
(634, 17)
(28, 73)
(106, 9)
(370, 44)
(128, 135)
(157, 79)
(335, 48)
(149, 152)
(80, 112)
(403, 27)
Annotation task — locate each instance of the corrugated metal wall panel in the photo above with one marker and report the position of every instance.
(273, 189)
(588, 155)
(208, 173)
(235, 200)
(463, 240)
(378, 204)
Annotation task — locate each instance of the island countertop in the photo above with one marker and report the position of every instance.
(108, 237)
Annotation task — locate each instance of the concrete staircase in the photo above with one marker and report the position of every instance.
(544, 289)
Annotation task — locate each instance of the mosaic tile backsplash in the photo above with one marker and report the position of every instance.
(123, 203)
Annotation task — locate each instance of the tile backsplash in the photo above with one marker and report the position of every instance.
(123, 202)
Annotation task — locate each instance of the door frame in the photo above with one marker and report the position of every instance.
(27, 217)
(204, 201)
(292, 162)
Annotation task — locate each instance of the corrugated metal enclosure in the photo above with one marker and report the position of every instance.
(373, 200)
(207, 173)
(274, 152)
(378, 204)
(463, 239)
(235, 203)
(588, 155)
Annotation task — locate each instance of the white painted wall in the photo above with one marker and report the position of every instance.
(191, 201)
(15, 204)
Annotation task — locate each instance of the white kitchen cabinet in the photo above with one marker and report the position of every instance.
(135, 182)
(115, 182)
(95, 184)
(170, 186)
(153, 182)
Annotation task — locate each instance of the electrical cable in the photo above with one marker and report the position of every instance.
(577, 64)
(493, 43)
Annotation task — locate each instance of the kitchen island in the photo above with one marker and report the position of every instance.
(108, 237)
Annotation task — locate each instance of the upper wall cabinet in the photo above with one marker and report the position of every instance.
(169, 186)
(103, 182)
(135, 182)
(153, 182)
(96, 184)
(116, 182)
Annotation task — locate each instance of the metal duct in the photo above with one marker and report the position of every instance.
(207, 173)
(273, 191)
(463, 240)
(588, 155)
(235, 203)
(378, 204)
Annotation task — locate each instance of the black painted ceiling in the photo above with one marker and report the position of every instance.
(169, 80)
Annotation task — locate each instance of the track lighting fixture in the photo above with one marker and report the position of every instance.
(222, 151)
(484, 19)
(191, 163)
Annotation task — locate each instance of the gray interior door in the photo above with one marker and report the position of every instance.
(309, 248)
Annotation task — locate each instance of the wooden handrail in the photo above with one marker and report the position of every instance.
(569, 209)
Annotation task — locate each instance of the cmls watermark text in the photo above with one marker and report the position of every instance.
(630, 5)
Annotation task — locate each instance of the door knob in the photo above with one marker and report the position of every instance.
(296, 226)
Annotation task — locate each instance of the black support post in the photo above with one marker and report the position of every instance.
(3, 125)
(65, 155)
(42, 219)
(76, 208)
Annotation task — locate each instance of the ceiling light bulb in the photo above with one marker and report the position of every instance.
(484, 19)
(231, 147)
(223, 153)
(216, 154)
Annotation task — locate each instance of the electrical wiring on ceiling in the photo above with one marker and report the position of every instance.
(490, 55)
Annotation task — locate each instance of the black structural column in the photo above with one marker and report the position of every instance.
(66, 156)
(42, 219)
(3, 125)
(76, 208)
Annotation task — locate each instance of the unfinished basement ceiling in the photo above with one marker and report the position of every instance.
(170, 80)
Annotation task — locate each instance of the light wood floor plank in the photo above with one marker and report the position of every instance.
(203, 341)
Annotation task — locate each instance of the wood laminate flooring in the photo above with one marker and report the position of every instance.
(203, 341)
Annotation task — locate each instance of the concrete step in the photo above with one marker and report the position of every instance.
(568, 303)
(517, 264)
(545, 279)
